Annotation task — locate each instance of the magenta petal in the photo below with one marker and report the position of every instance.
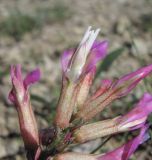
(139, 113)
(31, 78)
(65, 59)
(11, 96)
(124, 152)
(132, 79)
(98, 52)
(132, 145)
(141, 110)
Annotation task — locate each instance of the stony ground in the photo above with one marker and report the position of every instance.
(60, 24)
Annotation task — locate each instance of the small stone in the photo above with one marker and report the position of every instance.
(141, 47)
(12, 121)
(3, 123)
(12, 146)
(122, 25)
(3, 151)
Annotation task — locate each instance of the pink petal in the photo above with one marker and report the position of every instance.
(141, 110)
(98, 52)
(124, 152)
(31, 78)
(65, 59)
(11, 96)
(16, 78)
(132, 79)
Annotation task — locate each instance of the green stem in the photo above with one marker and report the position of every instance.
(101, 145)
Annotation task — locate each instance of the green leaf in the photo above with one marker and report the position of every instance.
(110, 58)
(39, 99)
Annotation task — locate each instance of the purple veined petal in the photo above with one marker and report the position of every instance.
(131, 146)
(98, 52)
(146, 102)
(31, 78)
(130, 80)
(125, 151)
(65, 59)
(140, 112)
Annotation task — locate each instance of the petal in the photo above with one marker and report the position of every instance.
(17, 82)
(98, 52)
(129, 81)
(131, 146)
(31, 78)
(141, 111)
(124, 152)
(65, 59)
(11, 96)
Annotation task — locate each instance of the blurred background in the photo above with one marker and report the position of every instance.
(34, 33)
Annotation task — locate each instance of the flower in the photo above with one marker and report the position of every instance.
(122, 153)
(79, 61)
(125, 151)
(138, 115)
(115, 90)
(134, 119)
(19, 96)
(78, 68)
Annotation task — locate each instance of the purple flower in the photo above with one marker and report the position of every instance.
(115, 90)
(126, 83)
(77, 62)
(138, 115)
(124, 152)
(135, 119)
(19, 96)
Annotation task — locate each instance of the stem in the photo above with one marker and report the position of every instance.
(101, 145)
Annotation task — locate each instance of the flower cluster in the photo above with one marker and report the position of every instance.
(77, 106)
